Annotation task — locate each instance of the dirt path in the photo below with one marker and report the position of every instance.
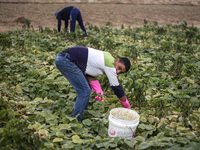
(132, 15)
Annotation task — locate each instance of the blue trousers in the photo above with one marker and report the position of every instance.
(77, 79)
(75, 14)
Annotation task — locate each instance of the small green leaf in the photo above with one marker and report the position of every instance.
(43, 133)
(147, 127)
(162, 121)
(37, 99)
(99, 145)
(68, 145)
(76, 126)
(182, 140)
(57, 140)
(36, 126)
(1, 130)
(77, 139)
(143, 119)
(19, 89)
(87, 122)
(130, 143)
(139, 138)
(60, 134)
(64, 127)
(145, 145)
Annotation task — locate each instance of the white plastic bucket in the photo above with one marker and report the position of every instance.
(123, 123)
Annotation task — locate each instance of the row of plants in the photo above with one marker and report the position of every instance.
(162, 85)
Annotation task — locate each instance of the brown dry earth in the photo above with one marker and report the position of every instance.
(132, 15)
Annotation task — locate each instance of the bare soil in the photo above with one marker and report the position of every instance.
(130, 15)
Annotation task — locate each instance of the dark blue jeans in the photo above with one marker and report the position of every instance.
(75, 14)
(77, 79)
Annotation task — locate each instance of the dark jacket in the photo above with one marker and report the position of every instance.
(64, 15)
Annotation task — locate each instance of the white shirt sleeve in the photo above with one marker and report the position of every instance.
(112, 76)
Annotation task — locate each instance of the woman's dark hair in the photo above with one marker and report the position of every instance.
(126, 62)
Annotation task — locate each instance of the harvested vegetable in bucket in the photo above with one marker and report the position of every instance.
(126, 114)
(123, 123)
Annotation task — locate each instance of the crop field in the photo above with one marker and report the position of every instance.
(162, 86)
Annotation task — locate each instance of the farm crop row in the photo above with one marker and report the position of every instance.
(163, 86)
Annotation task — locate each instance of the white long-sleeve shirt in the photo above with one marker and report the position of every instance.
(94, 63)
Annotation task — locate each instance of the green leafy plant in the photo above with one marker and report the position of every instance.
(162, 86)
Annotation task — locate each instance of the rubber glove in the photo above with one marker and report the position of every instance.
(99, 98)
(96, 87)
(126, 103)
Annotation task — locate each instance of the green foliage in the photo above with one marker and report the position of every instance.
(14, 133)
(5, 41)
(162, 86)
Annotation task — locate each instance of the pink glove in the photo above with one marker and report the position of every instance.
(126, 103)
(99, 98)
(96, 87)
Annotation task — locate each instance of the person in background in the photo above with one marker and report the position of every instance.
(70, 13)
(80, 66)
